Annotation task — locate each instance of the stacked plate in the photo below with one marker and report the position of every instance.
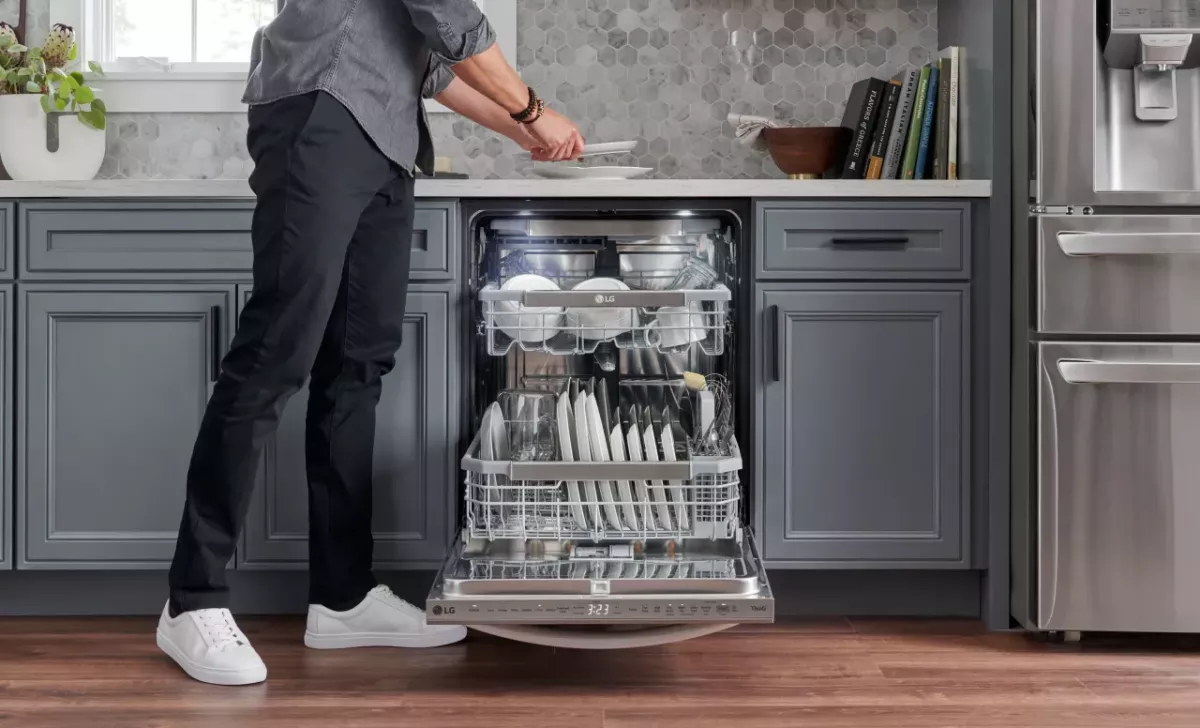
(595, 172)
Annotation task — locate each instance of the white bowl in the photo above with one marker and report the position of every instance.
(676, 326)
(597, 324)
(525, 323)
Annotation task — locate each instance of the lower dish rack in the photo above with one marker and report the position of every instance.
(699, 498)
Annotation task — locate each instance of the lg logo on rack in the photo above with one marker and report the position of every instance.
(602, 299)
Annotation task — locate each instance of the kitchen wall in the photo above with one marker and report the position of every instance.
(663, 72)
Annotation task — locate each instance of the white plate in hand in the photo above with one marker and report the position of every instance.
(560, 171)
(600, 454)
(584, 444)
(595, 150)
(566, 439)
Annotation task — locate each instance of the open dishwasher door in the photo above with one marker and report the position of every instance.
(597, 521)
(524, 569)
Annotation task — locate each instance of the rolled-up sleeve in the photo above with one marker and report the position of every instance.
(437, 77)
(454, 29)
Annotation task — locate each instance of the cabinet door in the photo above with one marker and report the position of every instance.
(863, 440)
(113, 383)
(415, 446)
(6, 407)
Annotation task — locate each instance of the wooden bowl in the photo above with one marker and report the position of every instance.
(806, 152)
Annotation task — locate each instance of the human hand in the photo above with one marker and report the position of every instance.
(555, 138)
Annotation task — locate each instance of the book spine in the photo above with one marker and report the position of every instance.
(956, 58)
(895, 149)
(914, 128)
(927, 125)
(883, 130)
(856, 159)
(941, 154)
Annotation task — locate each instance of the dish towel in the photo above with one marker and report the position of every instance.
(748, 129)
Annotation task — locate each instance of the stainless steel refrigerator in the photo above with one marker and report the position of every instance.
(1115, 329)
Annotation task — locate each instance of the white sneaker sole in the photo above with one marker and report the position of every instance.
(211, 675)
(438, 638)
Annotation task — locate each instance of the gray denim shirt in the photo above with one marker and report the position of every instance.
(377, 57)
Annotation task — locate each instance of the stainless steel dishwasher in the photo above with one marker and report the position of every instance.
(622, 546)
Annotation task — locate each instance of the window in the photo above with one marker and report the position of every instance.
(192, 55)
(176, 33)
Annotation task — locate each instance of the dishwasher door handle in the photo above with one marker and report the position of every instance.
(1083, 244)
(1092, 371)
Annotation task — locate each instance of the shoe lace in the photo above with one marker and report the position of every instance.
(390, 597)
(222, 631)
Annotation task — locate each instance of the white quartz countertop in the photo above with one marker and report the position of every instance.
(531, 188)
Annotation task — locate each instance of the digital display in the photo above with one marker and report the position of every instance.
(597, 610)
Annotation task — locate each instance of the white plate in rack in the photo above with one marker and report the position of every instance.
(563, 171)
(566, 439)
(584, 443)
(599, 445)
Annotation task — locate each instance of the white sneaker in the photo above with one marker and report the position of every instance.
(382, 619)
(208, 645)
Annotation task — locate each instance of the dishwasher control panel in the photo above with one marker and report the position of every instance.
(582, 611)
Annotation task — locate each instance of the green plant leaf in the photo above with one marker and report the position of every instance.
(12, 77)
(33, 88)
(79, 78)
(98, 105)
(60, 103)
(93, 118)
(5, 41)
(18, 48)
(70, 82)
(84, 95)
(47, 104)
(74, 52)
(23, 73)
(57, 74)
(95, 68)
(64, 91)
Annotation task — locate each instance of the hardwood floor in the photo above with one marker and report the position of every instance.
(817, 674)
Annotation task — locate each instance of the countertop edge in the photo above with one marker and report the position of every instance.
(530, 188)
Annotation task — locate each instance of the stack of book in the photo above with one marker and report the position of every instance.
(906, 128)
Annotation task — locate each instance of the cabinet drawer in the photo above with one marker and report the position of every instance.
(142, 240)
(136, 239)
(867, 241)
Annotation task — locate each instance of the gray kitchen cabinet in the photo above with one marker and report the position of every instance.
(862, 422)
(416, 437)
(6, 406)
(112, 384)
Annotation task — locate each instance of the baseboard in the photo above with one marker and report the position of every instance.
(797, 593)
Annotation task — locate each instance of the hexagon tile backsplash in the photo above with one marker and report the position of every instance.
(663, 72)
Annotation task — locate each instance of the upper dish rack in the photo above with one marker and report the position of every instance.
(570, 294)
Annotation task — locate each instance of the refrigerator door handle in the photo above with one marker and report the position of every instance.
(1091, 371)
(1091, 243)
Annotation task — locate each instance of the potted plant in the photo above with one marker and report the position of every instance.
(35, 84)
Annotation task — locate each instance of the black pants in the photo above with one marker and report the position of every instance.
(332, 236)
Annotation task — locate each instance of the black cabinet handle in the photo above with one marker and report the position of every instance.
(775, 322)
(215, 364)
(896, 240)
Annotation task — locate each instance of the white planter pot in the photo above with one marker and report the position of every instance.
(23, 134)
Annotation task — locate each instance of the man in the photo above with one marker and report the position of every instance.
(336, 128)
